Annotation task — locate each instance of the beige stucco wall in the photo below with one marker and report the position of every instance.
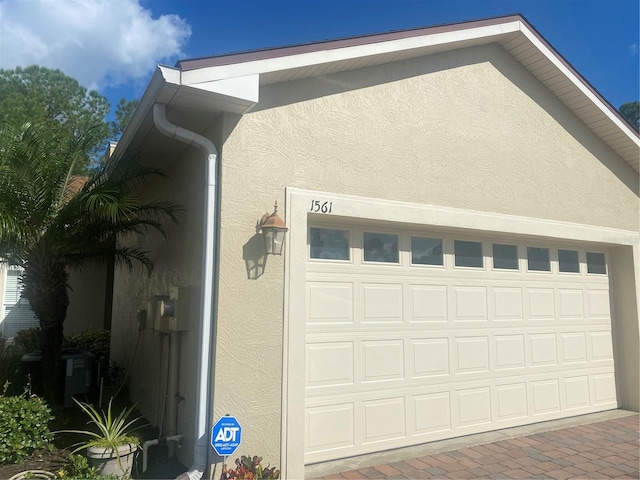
(626, 328)
(177, 263)
(86, 299)
(468, 129)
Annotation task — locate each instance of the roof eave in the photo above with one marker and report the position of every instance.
(231, 82)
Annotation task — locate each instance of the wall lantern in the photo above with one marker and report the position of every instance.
(273, 231)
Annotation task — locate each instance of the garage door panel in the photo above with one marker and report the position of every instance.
(541, 304)
(457, 408)
(570, 303)
(509, 352)
(598, 306)
(428, 303)
(329, 364)
(383, 420)
(383, 361)
(545, 396)
(473, 407)
(431, 413)
(543, 349)
(576, 392)
(507, 303)
(429, 357)
(511, 401)
(329, 302)
(604, 388)
(382, 303)
(472, 354)
(574, 347)
(601, 346)
(469, 303)
(330, 427)
(401, 354)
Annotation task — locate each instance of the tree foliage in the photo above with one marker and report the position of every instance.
(631, 113)
(45, 96)
(124, 112)
(52, 221)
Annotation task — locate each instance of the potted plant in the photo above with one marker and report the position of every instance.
(112, 448)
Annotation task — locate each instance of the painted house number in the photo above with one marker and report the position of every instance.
(321, 207)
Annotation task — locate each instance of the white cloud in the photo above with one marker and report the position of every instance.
(99, 42)
(633, 49)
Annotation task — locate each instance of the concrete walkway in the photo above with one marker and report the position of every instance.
(602, 445)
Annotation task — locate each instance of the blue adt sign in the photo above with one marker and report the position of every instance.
(226, 435)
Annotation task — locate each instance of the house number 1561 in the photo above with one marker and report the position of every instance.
(322, 207)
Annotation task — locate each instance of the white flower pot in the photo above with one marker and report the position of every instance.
(108, 462)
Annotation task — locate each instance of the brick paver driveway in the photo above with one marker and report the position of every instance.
(605, 449)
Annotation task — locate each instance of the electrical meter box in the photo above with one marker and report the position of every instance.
(187, 300)
(160, 323)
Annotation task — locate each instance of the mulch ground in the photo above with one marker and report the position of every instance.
(50, 461)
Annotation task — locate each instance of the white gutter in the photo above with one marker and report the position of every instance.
(207, 294)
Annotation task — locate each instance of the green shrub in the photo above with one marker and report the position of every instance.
(11, 372)
(28, 340)
(24, 426)
(78, 468)
(10, 367)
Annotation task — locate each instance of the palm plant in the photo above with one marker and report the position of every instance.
(112, 443)
(113, 430)
(52, 221)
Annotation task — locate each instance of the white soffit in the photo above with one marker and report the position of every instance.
(513, 33)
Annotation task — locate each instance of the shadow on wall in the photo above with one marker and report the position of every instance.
(254, 257)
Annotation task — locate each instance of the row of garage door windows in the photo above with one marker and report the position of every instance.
(333, 244)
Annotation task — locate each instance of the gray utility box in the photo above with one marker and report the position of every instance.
(77, 375)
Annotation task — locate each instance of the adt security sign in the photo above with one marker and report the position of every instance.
(226, 435)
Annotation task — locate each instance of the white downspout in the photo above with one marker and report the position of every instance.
(207, 294)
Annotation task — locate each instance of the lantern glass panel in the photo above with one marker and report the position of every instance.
(278, 242)
(268, 239)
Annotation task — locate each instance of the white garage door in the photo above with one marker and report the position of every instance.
(415, 336)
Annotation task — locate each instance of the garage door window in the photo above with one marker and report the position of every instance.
(426, 251)
(505, 257)
(568, 261)
(329, 244)
(596, 263)
(468, 254)
(538, 259)
(381, 247)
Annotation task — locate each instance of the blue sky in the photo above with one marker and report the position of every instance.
(114, 45)
(599, 37)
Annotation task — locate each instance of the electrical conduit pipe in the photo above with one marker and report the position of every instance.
(207, 295)
(157, 441)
